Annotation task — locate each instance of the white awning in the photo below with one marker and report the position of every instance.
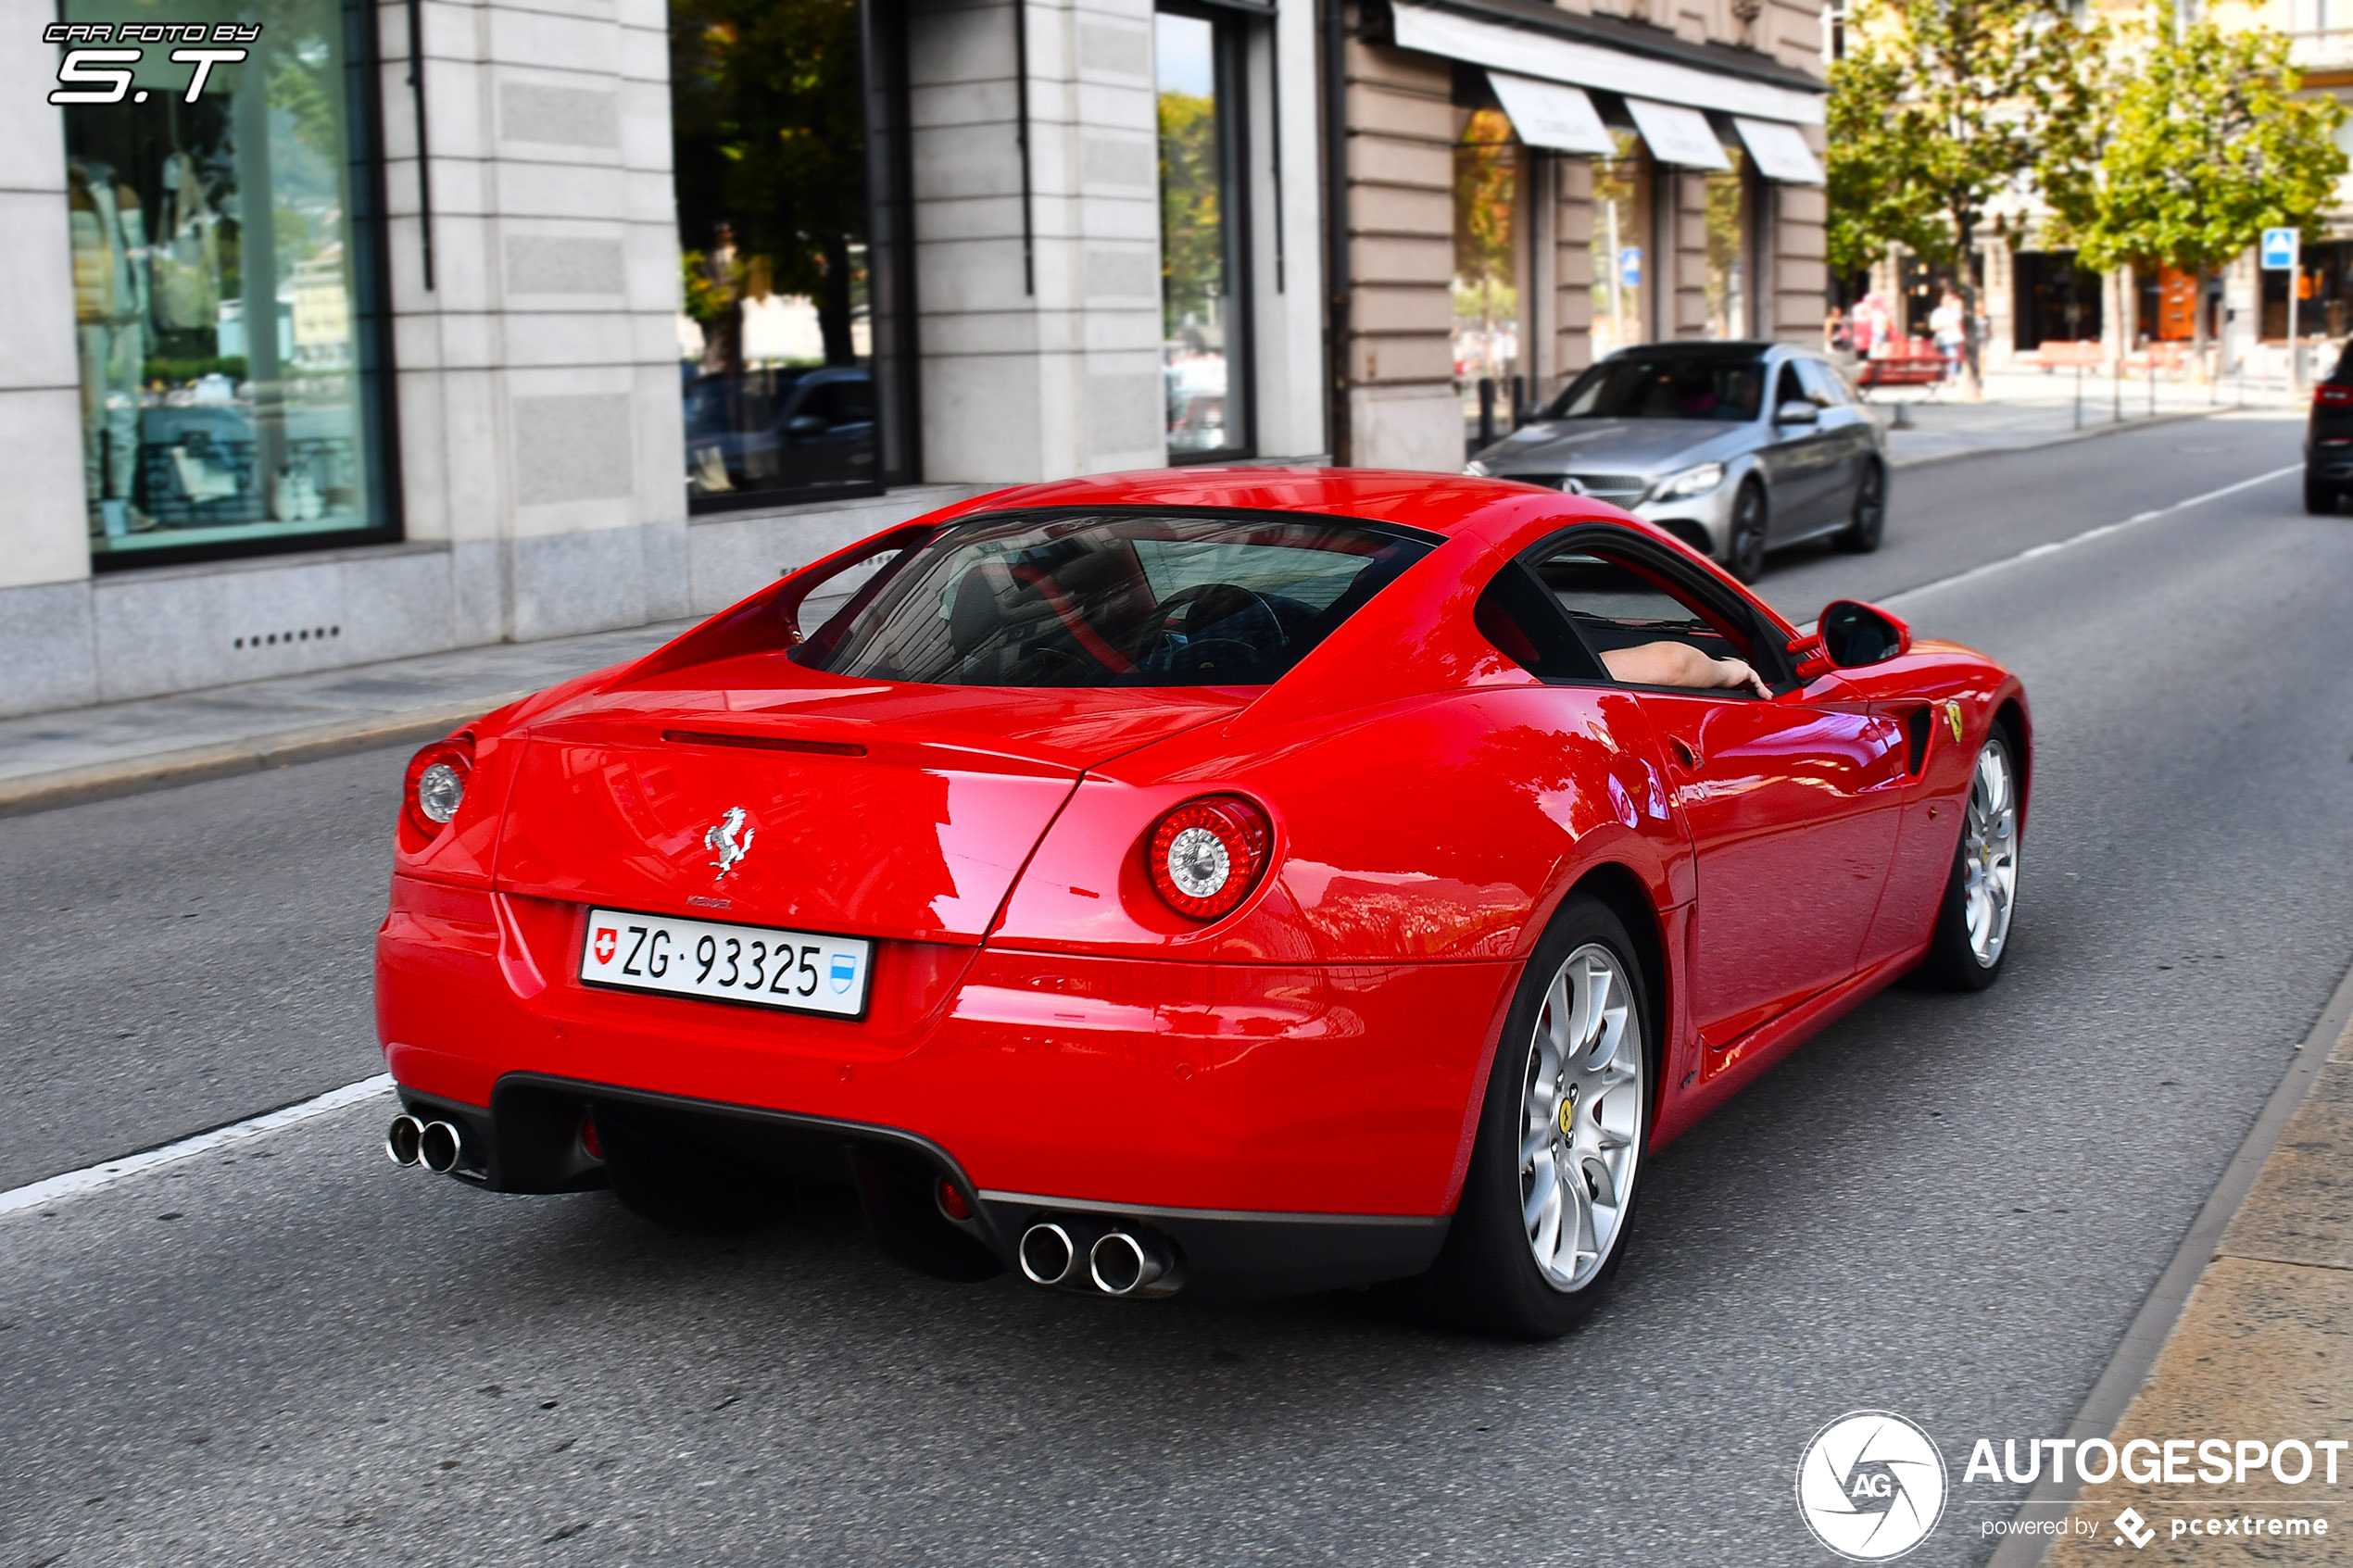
(1525, 52)
(1677, 136)
(1552, 114)
(1780, 151)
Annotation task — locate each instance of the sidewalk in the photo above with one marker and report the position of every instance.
(2027, 408)
(121, 747)
(2263, 1351)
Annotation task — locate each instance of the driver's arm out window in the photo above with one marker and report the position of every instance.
(1616, 605)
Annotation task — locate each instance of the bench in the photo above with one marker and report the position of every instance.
(2054, 354)
(1916, 363)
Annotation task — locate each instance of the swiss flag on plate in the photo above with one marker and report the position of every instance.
(606, 940)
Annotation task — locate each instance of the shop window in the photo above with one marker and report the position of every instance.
(788, 330)
(1488, 163)
(1621, 247)
(225, 293)
(1730, 232)
(1199, 71)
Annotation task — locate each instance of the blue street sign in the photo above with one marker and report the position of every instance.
(1629, 267)
(2279, 249)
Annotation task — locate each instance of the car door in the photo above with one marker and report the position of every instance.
(1798, 461)
(1846, 435)
(1791, 803)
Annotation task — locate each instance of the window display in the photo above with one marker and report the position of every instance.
(223, 272)
(1729, 227)
(1621, 243)
(1487, 267)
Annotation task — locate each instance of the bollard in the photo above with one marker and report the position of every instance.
(2078, 395)
(1486, 412)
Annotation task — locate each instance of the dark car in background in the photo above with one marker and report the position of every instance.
(789, 428)
(2328, 440)
(1734, 447)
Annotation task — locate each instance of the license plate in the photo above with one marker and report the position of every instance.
(799, 970)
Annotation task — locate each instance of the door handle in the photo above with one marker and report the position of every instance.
(1685, 752)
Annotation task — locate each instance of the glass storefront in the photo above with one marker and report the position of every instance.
(1196, 62)
(776, 334)
(1487, 250)
(1729, 227)
(225, 287)
(1621, 247)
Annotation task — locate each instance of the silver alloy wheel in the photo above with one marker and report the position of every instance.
(1581, 1104)
(1989, 853)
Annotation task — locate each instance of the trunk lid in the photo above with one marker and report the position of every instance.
(866, 808)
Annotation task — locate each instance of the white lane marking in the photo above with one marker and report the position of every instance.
(2102, 532)
(90, 1178)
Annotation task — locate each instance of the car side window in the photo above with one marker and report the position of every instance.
(1821, 382)
(1787, 388)
(1615, 603)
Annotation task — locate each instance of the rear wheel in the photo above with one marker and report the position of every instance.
(2320, 497)
(1867, 523)
(1973, 921)
(1744, 538)
(1549, 1196)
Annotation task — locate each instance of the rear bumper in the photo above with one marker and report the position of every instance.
(1320, 1113)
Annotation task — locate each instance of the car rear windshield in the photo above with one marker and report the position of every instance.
(1130, 599)
(1664, 386)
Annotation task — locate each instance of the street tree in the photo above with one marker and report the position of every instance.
(2210, 146)
(1944, 117)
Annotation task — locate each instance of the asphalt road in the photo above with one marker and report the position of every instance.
(1944, 1207)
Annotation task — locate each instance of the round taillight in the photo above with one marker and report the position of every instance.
(436, 784)
(1206, 855)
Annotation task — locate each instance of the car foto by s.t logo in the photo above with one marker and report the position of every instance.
(1871, 1486)
(107, 75)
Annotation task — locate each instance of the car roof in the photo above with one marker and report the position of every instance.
(1706, 348)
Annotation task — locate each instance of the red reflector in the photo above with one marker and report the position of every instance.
(951, 1202)
(588, 1138)
(2329, 397)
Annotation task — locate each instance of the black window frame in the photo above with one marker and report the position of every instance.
(1231, 41)
(890, 268)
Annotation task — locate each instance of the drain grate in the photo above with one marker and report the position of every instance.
(302, 634)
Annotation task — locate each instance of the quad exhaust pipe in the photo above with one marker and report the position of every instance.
(438, 1146)
(1074, 1253)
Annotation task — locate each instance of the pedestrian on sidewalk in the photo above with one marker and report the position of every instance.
(1945, 325)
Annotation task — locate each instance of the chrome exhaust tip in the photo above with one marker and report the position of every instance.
(1048, 1256)
(1123, 1263)
(440, 1147)
(403, 1138)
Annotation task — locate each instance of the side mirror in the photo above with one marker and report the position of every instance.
(801, 427)
(1855, 635)
(1797, 412)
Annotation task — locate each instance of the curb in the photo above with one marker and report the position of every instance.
(2088, 432)
(165, 769)
(2152, 1326)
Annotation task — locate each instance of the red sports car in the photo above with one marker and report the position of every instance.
(1224, 880)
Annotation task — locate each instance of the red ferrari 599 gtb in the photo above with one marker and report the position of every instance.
(1222, 880)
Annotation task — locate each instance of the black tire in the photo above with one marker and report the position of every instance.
(1867, 525)
(1745, 535)
(1953, 961)
(2320, 498)
(666, 1181)
(1486, 1277)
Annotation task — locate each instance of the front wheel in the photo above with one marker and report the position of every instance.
(1973, 919)
(1549, 1197)
(1745, 539)
(1867, 523)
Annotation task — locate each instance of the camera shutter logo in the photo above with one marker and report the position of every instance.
(1871, 1486)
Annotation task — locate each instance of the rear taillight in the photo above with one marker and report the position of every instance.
(1205, 855)
(436, 784)
(2330, 396)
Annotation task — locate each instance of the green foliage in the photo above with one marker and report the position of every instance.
(1192, 252)
(1945, 113)
(1486, 170)
(2209, 146)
